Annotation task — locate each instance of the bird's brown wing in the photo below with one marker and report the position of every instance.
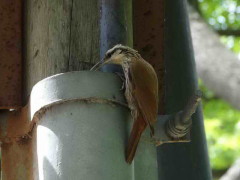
(145, 89)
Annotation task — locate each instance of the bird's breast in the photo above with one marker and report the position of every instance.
(129, 92)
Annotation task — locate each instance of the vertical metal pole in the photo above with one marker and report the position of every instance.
(148, 40)
(181, 161)
(148, 33)
(115, 27)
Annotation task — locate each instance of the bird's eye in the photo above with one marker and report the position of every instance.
(108, 55)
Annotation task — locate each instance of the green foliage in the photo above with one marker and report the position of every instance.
(222, 124)
(232, 43)
(222, 15)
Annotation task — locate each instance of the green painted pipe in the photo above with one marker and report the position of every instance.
(183, 161)
(83, 128)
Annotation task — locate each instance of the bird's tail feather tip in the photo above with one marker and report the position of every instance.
(138, 127)
(132, 146)
(129, 158)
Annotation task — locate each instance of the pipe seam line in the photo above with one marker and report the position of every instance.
(63, 88)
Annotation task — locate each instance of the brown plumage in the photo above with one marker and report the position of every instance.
(141, 92)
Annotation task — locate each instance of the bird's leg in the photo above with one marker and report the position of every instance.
(122, 77)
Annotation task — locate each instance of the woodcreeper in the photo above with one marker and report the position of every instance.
(141, 92)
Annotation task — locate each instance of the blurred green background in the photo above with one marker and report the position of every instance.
(223, 16)
(222, 122)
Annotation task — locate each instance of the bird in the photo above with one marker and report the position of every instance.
(141, 92)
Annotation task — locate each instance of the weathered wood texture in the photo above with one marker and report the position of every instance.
(10, 54)
(60, 36)
(148, 28)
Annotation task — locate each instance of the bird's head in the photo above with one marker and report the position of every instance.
(119, 55)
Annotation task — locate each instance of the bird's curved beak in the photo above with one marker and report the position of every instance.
(100, 64)
(116, 59)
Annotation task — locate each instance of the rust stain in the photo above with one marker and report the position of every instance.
(17, 124)
(148, 37)
(17, 160)
(18, 155)
(10, 54)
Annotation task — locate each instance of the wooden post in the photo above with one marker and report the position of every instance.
(60, 36)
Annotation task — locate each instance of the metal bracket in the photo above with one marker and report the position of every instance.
(176, 127)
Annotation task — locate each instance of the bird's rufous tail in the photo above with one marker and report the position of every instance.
(138, 127)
